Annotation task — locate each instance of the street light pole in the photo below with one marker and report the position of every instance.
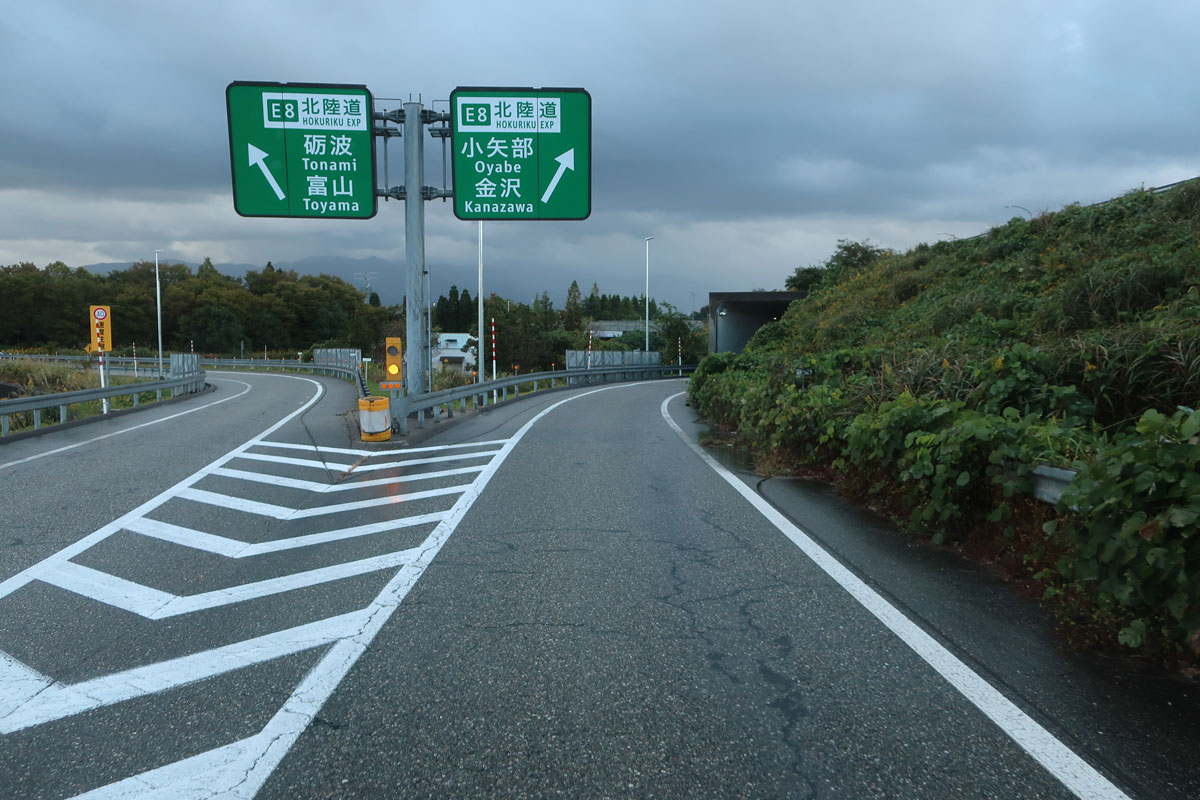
(648, 238)
(158, 306)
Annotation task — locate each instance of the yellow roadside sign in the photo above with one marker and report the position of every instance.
(101, 326)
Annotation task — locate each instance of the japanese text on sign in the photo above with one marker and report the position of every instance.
(496, 114)
(301, 151)
(313, 111)
(521, 153)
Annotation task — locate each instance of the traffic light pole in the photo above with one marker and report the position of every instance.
(416, 358)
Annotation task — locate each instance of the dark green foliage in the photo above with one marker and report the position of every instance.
(934, 380)
(1134, 540)
(216, 313)
(214, 329)
(804, 278)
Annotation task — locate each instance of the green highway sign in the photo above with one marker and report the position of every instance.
(522, 153)
(301, 150)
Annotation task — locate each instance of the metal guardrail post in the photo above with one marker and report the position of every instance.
(63, 400)
(1049, 483)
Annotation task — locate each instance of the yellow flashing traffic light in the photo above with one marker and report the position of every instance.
(393, 363)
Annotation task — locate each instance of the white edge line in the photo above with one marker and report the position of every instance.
(238, 770)
(1058, 759)
(132, 427)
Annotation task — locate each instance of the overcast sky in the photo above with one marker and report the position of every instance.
(747, 138)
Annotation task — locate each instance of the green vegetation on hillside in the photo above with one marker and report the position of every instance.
(932, 381)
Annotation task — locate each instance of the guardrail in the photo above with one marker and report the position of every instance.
(349, 373)
(1048, 482)
(193, 382)
(150, 365)
(477, 393)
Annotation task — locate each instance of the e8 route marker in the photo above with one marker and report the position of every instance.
(522, 154)
(301, 150)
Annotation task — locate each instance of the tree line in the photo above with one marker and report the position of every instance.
(534, 337)
(202, 310)
(216, 314)
(457, 311)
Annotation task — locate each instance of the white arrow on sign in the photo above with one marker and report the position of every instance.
(257, 157)
(565, 162)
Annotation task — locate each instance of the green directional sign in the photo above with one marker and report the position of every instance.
(522, 153)
(301, 150)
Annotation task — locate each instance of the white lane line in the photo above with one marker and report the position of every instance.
(188, 537)
(283, 512)
(136, 598)
(236, 503)
(28, 574)
(379, 453)
(238, 770)
(55, 700)
(344, 533)
(19, 684)
(374, 502)
(192, 778)
(275, 480)
(132, 428)
(326, 465)
(434, 460)
(155, 604)
(345, 486)
(408, 477)
(1058, 759)
(235, 548)
(296, 462)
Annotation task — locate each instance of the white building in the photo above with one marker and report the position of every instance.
(448, 352)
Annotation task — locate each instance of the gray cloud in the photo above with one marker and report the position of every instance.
(747, 139)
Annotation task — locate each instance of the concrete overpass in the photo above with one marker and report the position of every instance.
(733, 317)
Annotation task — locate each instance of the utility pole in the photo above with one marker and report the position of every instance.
(366, 277)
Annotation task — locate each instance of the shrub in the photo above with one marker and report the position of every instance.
(1134, 541)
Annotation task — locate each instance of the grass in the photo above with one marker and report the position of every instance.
(40, 378)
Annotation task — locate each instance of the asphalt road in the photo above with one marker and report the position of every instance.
(556, 597)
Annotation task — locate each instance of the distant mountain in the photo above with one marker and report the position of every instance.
(387, 280)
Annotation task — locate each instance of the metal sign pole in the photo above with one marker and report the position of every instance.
(417, 355)
(479, 302)
(103, 382)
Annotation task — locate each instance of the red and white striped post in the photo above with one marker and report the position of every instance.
(589, 366)
(493, 358)
(135, 359)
